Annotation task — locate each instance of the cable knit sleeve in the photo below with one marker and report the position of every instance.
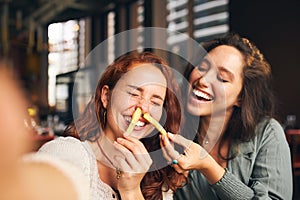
(229, 187)
(269, 169)
(261, 170)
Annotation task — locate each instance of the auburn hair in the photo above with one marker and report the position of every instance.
(87, 126)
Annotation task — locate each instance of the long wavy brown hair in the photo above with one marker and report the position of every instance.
(256, 97)
(87, 126)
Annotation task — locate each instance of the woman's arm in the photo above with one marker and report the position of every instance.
(269, 169)
(271, 175)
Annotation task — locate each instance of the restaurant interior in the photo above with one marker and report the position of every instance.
(47, 41)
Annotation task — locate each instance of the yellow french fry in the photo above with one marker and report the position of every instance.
(155, 123)
(135, 118)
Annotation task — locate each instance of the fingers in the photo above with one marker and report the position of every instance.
(164, 151)
(132, 144)
(134, 154)
(169, 149)
(122, 164)
(171, 155)
(192, 158)
(178, 139)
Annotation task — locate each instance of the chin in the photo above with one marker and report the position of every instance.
(137, 136)
(193, 109)
(143, 134)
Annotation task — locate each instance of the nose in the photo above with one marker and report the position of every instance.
(206, 79)
(144, 105)
(202, 81)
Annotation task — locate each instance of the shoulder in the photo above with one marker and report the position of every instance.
(57, 174)
(64, 140)
(67, 145)
(70, 150)
(269, 123)
(270, 132)
(270, 127)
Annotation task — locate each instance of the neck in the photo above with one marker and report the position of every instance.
(104, 152)
(212, 128)
(109, 134)
(107, 175)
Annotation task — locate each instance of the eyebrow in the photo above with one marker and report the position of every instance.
(229, 73)
(206, 61)
(141, 90)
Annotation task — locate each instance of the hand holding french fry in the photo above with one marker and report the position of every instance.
(135, 118)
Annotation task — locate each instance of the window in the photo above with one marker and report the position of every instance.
(177, 22)
(66, 51)
(210, 19)
(206, 19)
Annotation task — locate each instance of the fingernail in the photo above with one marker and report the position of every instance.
(166, 139)
(120, 140)
(170, 135)
(160, 137)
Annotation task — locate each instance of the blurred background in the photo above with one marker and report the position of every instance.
(47, 41)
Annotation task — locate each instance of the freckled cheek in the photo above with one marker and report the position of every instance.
(132, 101)
(156, 112)
(193, 77)
(121, 97)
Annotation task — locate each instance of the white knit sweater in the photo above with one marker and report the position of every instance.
(80, 154)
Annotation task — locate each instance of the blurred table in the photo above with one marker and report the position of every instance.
(293, 138)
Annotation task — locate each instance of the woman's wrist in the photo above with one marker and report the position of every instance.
(212, 170)
(132, 194)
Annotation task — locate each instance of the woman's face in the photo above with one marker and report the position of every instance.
(142, 86)
(216, 83)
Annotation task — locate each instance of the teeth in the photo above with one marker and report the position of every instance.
(202, 95)
(139, 123)
(128, 119)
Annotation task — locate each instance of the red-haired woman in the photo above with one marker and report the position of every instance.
(120, 165)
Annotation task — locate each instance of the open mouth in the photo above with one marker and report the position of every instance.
(202, 96)
(140, 123)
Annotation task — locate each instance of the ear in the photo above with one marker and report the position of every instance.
(105, 92)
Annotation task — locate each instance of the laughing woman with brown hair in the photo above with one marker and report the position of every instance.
(240, 151)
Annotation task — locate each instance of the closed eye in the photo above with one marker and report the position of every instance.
(225, 75)
(201, 68)
(157, 102)
(135, 95)
(221, 79)
(204, 66)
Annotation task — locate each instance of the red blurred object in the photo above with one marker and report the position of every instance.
(39, 140)
(293, 138)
